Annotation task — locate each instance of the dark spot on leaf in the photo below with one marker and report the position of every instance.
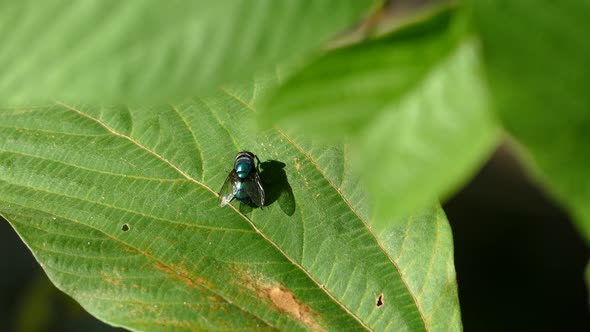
(125, 228)
(379, 300)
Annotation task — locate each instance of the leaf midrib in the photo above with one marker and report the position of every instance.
(204, 186)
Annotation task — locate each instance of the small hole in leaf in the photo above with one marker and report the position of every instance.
(125, 228)
(380, 301)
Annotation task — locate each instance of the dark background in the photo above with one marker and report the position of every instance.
(520, 264)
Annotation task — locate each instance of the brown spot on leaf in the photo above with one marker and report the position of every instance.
(297, 164)
(130, 250)
(177, 272)
(163, 268)
(172, 323)
(281, 298)
(284, 300)
(113, 281)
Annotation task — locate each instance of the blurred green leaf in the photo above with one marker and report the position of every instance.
(537, 58)
(414, 103)
(119, 206)
(142, 51)
(342, 90)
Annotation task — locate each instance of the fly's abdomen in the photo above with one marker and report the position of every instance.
(242, 195)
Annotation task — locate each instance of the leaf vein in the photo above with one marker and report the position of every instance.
(224, 230)
(197, 145)
(428, 273)
(256, 229)
(231, 138)
(49, 132)
(365, 223)
(154, 259)
(98, 171)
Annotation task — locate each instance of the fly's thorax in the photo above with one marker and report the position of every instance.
(244, 164)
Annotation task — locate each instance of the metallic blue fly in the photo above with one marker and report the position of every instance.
(243, 182)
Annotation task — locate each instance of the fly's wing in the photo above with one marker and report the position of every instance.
(229, 189)
(253, 187)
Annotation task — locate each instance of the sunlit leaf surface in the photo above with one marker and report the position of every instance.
(119, 206)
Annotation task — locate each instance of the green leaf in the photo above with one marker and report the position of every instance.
(150, 50)
(537, 58)
(119, 206)
(413, 102)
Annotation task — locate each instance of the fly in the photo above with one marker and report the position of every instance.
(243, 182)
